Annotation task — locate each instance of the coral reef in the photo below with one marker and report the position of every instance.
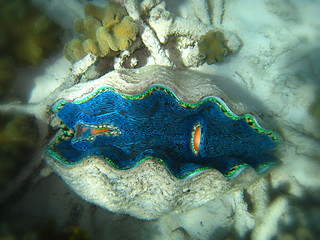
(212, 47)
(104, 31)
(26, 37)
(283, 206)
(17, 141)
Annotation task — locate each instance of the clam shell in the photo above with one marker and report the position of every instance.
(149, 189)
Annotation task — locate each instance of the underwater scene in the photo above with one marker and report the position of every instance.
(159, 120)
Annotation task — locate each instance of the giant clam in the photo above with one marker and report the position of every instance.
(154, 140)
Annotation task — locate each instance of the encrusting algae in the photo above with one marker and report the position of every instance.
(212, 47)
(104, 31)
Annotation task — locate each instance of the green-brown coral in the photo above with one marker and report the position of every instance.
(26, 34)
(26, 37)
(103, 31)
(18, 135)
(212, 47)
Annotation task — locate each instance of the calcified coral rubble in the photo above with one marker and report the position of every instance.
(187, 31)
(103, 31)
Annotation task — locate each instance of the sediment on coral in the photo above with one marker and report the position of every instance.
(104, 31)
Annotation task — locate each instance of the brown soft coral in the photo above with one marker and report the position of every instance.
(102, 32)
(212, 47)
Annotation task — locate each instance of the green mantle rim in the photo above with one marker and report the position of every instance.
(223, 106)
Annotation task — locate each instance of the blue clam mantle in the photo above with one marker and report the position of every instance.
(187, 138)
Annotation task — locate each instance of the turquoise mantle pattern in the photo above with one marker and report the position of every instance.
(126, 130)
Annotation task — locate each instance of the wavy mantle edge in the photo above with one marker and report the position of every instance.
(233, 173)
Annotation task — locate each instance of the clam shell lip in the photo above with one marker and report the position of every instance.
(157, 125)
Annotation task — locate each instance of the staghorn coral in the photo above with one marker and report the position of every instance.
(212, 47)
(104, 31)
